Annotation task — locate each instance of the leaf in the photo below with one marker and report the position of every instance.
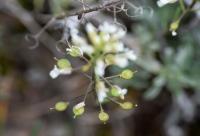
(156, 88)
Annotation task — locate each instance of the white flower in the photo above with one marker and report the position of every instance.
(114, 47)
(119, 34)
(90, 28)
(113, 30)
(55, 72)
(100, 67)
(108, 28)
(121, 59)
(101, 91)
(130, 54)
(81, 43)
(79, 105)
(101, 96)
(161, 3)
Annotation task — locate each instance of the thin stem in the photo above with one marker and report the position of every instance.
(80, 96)
(85, 59)
(111, 77)
(92, 9)
(107, 81)
(181, 2)
(113, 100)
(88, 76)
(87, 91)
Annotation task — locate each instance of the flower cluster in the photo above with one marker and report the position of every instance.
(101, 48)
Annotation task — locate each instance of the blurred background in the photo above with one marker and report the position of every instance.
(166, 86)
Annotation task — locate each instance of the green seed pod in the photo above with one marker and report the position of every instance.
(174, 25)
(75, 51)
(63, 63)
(126, 74)
(61, 106)
(78, 109)
(115, 91)
(103, 116)
(126, 105)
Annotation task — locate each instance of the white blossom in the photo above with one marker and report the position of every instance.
(101, 91)
(162, 3)
(122, 59)
(90, 28)
(130, 54)
(81, 43)
(108, 28)
(113, 30)
(100, 67)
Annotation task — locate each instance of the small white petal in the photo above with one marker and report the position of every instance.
(174, 33)
(101, 96)
(119, 34)
(100, 67)
(161, 3)
(90, 28)
(121, 61)
(101, 91)
(79, 105)
(54, 73)
(130, 54)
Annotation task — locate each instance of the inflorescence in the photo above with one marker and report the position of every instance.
(100, 48)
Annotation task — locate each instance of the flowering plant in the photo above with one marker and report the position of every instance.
(102, 49)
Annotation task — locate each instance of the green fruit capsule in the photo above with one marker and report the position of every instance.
(126, 105)
(174, 26)
(79, 109)
(61, 106)
(63, 63)
(78, 112)
(75, 51)
(126, 74)
(103, 116)
(115, 92)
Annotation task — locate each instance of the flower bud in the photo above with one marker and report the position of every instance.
(63, 64)
(61, 106)
(126, 74)
(110, 59)
(86, 67)
(103, 116)
(75, 51)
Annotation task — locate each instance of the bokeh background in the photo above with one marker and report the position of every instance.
(166, 86)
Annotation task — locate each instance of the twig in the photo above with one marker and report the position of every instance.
(92, 9)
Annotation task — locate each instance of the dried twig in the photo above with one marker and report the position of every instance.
(90, 9)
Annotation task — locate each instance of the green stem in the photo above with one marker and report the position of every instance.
(181, 2)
